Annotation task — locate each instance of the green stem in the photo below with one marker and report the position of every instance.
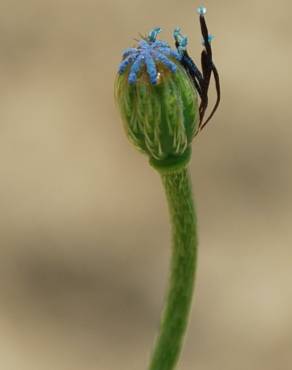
(178, 190)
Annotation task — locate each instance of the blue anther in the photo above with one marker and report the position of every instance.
(210, 39)
(176, 32)
(152, 36)
(181, 41)
(201, 10)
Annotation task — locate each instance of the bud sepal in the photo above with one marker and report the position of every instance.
(160, 119)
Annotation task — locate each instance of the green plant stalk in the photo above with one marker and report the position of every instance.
(174, 320)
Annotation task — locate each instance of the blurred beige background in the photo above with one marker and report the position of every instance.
(83, 224)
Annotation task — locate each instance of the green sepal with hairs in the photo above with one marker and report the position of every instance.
(162, 119)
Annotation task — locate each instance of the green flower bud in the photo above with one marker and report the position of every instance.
(159, 107)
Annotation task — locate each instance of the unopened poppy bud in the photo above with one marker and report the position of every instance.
(158, 101)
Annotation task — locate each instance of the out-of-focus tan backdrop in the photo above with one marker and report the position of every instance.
(84, 225)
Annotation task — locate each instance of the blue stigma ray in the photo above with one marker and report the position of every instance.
(168, 63)
(135, 69)
(148, 53)
(127, 61)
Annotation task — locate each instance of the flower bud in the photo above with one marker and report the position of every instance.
(158, 102)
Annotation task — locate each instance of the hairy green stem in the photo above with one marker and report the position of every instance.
(174, 320)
